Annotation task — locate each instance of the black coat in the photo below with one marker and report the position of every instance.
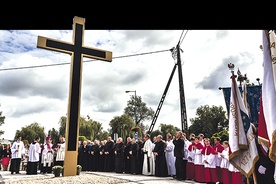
(109, 158)
(264, 160)
(133, 158)
(119, 157)
(95, 164)
(83, 157)
(140, 158)
(161, 169)
(178, 147)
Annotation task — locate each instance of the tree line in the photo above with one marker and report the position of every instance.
(212, 121)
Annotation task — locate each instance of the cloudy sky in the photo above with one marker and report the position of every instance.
(35, 82)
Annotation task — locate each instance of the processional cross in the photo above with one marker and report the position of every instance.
(77, 52)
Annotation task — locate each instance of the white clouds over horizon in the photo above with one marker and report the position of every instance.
(40, 94)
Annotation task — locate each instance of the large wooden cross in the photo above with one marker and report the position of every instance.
(77, 52)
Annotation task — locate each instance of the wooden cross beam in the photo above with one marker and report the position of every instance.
(77, 52)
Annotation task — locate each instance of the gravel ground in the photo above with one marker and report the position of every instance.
(82, 178)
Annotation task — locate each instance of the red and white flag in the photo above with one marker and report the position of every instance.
(269, 90)
(242, 140)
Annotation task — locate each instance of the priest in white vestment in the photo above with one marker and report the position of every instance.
(60, 152)
(33, 157)
(169, 155)
(149, 162)
(47, 157)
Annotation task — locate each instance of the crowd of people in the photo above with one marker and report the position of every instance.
(32, 157)
(176, 156)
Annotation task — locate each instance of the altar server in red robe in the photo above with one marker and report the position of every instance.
(209, 163)
(190, 171)
(199, 167)
(218, 148)
(224, 165)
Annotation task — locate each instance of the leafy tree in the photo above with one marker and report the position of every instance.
(103, 135)
(2, 121)
(164, 130)
(30, 132)
(25, 142)
(85, 128)
(97, 130)
(167, 128)
(155, 133)
(90, 129)
(62, 125)
(54, 134)
(82, 138)
(137, 109)
(209, 120)
(122, 126)
(223, 135)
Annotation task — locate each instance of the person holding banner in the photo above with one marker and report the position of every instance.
(264, 167)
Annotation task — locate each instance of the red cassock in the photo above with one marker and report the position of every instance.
(210, 167)
(199, 167)
(190, 171)
(226, 175)
(218, 148)
(235, 175)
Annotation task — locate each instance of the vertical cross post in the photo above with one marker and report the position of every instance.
(77, 52)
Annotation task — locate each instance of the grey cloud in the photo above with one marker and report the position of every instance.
(221, 34)
(220, 76)
(21, 110)
(148, 39)
(26, 83)
(152, 99)
(104, 92)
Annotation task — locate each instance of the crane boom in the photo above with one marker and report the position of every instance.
(161, 101)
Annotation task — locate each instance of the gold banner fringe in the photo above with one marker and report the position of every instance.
(264, 141)
(272, 149)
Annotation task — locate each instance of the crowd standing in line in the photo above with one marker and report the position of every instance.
(177, 157)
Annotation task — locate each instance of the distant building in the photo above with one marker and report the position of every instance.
(5, 141)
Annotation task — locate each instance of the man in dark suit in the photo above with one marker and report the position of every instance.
(179, 154)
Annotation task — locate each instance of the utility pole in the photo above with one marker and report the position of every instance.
(184, 124)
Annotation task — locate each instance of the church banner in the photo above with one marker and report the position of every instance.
(242, 140)
(269, 92)
(253, 95)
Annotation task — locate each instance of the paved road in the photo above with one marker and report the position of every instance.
(141, 179)
(132, 179)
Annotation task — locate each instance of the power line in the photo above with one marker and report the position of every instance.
(180, 36)
(183, 37)
(39, 66)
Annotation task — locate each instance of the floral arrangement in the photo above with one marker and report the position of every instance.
(135, 128)
(57, 170)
